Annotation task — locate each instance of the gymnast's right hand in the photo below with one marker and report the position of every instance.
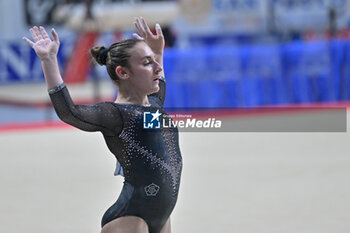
(43, 46)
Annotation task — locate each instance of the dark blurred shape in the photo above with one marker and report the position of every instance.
(332, 16)
(169, 37)
(39, 12)
(88, 5)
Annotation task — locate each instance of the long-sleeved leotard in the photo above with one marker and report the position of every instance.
(151, 159)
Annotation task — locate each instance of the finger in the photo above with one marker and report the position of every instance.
(37, 33)
(140, 28)
(44, 33)
(31, 43)
(137, 36)
(145, 26)
(32, 32)
(137, 27)
(55, 36)
(159, 30)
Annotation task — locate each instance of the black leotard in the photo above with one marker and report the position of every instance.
(151, 159)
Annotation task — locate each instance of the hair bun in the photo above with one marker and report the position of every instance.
(102, 56)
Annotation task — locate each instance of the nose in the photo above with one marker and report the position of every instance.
(158, 68)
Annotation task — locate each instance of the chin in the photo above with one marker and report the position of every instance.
(156, 89)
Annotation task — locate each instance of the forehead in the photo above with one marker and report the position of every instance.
(141, 50)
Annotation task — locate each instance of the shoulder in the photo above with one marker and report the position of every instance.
(107, 108)
(155, 101)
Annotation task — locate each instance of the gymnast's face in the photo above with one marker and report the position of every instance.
(144, 72)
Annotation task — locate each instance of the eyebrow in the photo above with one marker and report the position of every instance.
(146, 57)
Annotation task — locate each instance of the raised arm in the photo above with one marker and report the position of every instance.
(103, 117)
(156, 43)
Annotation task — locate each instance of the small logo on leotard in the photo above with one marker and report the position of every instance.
(152, 189)
(151, 120)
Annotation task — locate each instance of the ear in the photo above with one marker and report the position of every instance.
(122, 72)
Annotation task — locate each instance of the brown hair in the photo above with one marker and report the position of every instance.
(116, 55)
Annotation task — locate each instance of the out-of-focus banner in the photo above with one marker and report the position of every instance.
(228, 76)
(207, 22)
(221, 16)
(311, 14)
(258, 75)
(19, 63)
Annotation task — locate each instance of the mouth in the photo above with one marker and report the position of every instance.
(156, 79)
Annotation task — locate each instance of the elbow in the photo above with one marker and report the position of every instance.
(65, 116)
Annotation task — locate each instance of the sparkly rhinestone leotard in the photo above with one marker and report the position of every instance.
(151, 159)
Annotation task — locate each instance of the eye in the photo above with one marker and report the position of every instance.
(148, 62)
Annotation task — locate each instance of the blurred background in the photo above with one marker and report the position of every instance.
(255, 53)
(219, 54)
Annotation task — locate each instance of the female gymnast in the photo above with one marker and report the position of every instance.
(150, 158)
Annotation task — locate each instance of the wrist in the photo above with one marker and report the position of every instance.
(158, 53)
(49, 58)
(158, 56)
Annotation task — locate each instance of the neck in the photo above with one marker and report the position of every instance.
(130, 96)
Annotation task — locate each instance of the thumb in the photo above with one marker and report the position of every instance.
(55, 36)
(159, 30)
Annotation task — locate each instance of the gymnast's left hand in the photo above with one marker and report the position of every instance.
(155, 42)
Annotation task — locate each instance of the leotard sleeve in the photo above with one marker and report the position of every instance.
(104, 117)
(159, 96)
